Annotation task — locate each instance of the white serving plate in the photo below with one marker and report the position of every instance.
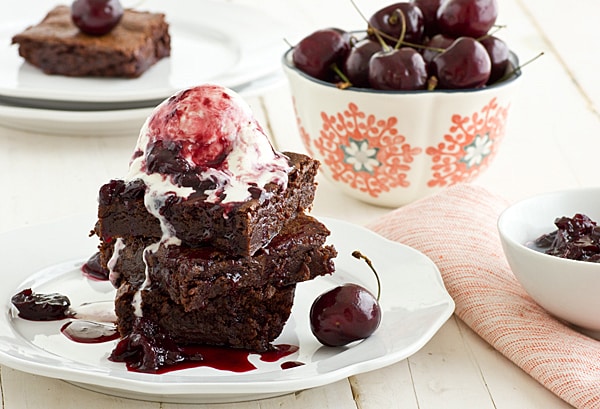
(119, 122)
(212, 41)
(47, 258)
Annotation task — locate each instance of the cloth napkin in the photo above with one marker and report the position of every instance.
(456, 228)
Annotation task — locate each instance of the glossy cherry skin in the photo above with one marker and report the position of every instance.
(96, 17)
(402, 69)
(498, 52)
(315, 53)
(438, 41)
(465, 64)
(356, 66)
(389, 21)
(429, 9)
(469, 18)
(344, 314)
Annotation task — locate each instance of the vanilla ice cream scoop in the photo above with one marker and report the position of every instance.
(206, 136)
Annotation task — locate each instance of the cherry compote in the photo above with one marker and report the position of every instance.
(96, 17)
(93, 268)
(42, 307)
(576, 238)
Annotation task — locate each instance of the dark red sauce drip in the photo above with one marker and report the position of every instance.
(291, 364)
(89, 332)
(148, 348)
(94, 270)
(278, 352)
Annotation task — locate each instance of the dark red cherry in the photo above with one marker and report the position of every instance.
(356, 66)
(429, 9)
(344, 314)
(498, 52)
(401, 69)
(96, 17)
(435, 46)
(388, 20)
(315, 53)
(469, 18)
(465, 64)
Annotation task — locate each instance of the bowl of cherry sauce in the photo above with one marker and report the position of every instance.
(396, 112)
(552, 245)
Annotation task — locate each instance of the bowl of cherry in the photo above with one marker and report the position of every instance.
(415, 102)
(552, 245)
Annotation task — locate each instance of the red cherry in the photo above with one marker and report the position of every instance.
(429, 9)
(316, 53)
(469, 18)
(344, 314)
(498, 52)
(389, 21)
(402, 69)
(437, 42)
(96, 17)
(465, 64)
(356, 66)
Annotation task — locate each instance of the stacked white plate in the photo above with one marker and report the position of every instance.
(234, 46)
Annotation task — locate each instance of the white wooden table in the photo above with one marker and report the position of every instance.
(552, 143)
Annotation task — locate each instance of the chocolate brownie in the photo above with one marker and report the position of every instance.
(56, 45)
(247, 319)
(239, 228)
(204, 296)
(193, 276)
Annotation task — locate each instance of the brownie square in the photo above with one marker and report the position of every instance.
(240, 229)
(57, 46)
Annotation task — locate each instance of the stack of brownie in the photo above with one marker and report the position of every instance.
(230, 280)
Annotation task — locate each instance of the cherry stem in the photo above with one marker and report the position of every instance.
(345, 83)
(491, 33)
(357, 254)
(515, 69)
(402, 31)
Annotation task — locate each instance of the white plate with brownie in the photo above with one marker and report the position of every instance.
(210, 42)
(414, 303)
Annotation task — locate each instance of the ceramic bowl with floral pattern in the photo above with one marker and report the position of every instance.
(390, 148)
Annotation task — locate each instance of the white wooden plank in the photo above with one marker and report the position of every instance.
(25, 391)
(387, 388)
(333, 396)
(522, 392)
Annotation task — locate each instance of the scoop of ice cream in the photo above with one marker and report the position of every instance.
(205, 120)
(206, 133)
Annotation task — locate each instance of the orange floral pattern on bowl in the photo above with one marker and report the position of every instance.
(369, 154)
(469, 145)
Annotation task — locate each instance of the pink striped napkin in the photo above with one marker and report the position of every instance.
(457, 230)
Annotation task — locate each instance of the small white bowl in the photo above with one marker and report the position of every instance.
(568, 289)
(389, 148)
